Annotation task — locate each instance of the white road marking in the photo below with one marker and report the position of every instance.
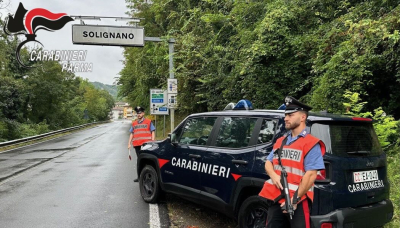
(154, 216)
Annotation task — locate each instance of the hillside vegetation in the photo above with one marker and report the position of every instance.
(111, 89)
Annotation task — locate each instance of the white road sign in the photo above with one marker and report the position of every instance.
(158, 102)
(172, 85)
(108, 35)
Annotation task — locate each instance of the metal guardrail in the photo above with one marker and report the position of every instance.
(31, 138)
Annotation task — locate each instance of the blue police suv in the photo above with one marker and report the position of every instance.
(217, 159)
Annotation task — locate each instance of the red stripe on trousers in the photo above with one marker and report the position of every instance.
(306, 213)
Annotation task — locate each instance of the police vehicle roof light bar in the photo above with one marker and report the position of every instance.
(282, 107)
(244, 105)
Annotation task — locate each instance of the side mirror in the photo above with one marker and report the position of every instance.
(172, 138)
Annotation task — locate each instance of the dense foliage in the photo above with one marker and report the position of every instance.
(263, 50)
(40, 99)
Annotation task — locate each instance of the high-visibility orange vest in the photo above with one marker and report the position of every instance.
(141, 132)
(292, 158)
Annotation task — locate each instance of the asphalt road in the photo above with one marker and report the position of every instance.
(84, 179)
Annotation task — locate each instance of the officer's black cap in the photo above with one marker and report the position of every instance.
(139, 109)
(293, 105)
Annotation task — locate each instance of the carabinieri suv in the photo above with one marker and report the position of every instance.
(217, 159)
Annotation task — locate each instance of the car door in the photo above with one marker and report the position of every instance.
(265, 139)
(229, 158)
(182, 172)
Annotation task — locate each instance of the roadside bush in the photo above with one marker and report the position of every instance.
(3, 131)
(26, 130)
(11, 129)
(41, 128)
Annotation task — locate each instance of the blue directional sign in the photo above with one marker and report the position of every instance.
(158, 102)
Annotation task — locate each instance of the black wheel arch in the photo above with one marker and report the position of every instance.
(149, 159)
(246, 187)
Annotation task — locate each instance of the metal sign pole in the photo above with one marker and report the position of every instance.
(163, 134)
(171, 75)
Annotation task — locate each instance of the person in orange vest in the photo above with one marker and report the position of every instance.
(142, 130)
(302, 157)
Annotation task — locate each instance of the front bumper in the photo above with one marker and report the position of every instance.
(374, 215)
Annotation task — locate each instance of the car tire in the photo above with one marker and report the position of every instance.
(253, 213)
(149, 184)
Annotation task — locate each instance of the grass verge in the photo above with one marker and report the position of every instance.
(394, 179)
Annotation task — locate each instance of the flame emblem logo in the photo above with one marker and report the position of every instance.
(29, 22)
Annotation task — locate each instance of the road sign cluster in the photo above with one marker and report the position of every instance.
(172, 89)
(163, 100)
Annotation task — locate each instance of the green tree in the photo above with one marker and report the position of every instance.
(264, 50)
(36, 100)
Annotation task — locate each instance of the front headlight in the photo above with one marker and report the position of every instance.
(150, 146)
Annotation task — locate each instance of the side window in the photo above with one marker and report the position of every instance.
(197, 130)
(235, 132)
(178, 131)
(267, 131)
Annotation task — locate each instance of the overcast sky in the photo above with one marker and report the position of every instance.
(106, 60)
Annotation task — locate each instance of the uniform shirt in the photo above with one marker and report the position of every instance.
(152, 128)
(313, 160)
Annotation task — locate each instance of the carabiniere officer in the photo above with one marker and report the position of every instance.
(301, 169)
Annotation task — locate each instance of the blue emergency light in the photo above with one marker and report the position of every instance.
(243, 105)
(282, 107)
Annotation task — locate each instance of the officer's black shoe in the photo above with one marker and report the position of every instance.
(136, 180)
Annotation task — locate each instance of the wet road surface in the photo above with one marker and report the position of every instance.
(80, 180)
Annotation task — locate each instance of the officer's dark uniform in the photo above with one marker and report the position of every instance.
(311, 150)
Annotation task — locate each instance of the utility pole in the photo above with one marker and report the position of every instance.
(171, 43)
